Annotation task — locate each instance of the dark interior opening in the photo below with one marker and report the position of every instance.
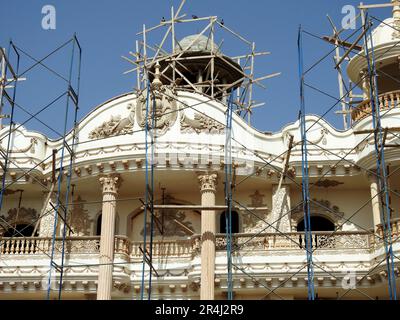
(20, 230)
(235, 222)
(317, 224)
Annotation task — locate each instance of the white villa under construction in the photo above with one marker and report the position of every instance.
(168, 192)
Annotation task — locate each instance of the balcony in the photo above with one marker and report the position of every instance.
(387, 101)
(292, 243)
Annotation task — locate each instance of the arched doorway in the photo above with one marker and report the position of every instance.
(235, 222)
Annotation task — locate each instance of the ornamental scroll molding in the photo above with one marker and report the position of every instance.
(200, 123)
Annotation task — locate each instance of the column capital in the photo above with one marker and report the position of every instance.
(208, 181)
(110, 183)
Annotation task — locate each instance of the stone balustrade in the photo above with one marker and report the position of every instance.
(43, 245)
(170, 248)
(394, 227)
(387, 101)
(191, 246)
(296, 241)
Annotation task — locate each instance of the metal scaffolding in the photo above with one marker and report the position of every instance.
(60, 183)
(168, 65)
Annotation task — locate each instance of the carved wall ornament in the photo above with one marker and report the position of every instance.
(162, 100)
(326, 183)
(79, 218)
(200, 123)
(257, 199)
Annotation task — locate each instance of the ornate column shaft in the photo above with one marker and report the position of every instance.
(375, 201)
(280, 217)
(46, 227)
(110, 185)
(208, 185)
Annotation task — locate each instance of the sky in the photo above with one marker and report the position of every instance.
(107, 30)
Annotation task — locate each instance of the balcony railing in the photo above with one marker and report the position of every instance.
(387, 101)
(38, 245)
(394, 227)
(191, 247)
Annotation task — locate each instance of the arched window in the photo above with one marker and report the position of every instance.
(98, 224)
(235, 222)
(20, 230)
(317, 224)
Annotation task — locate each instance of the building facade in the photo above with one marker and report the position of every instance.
(105, 221)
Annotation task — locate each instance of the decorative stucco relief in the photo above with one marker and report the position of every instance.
(115, 126)
(161, 106)
(170, 223)
(326, 183)
(256, 221)
(79, 219)
(200, 123)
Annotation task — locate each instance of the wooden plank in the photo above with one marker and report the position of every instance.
(394, 129)
(380, 5)
(341, 42)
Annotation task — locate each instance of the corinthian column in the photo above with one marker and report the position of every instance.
(208, 185)
(110, 185)
(375, 202)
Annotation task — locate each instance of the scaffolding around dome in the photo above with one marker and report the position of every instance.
(197, 63)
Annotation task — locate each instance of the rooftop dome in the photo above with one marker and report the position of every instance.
(201, 43)
(385, 33)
